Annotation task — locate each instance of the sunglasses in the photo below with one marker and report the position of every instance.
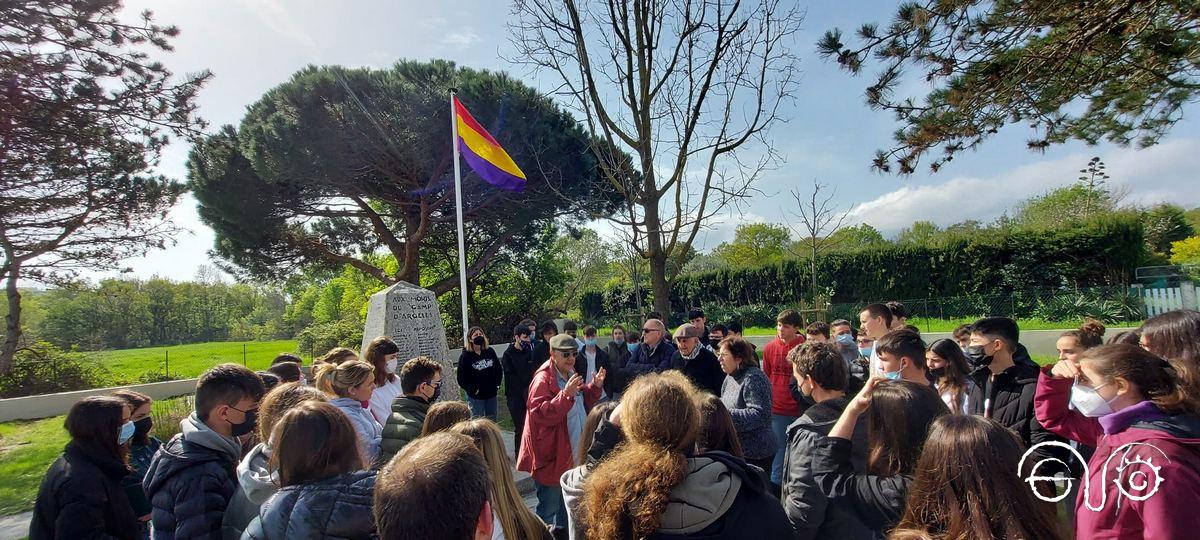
(569, 354)
(644, 330)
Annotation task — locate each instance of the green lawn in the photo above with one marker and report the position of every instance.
(190, 360)
(27, 448)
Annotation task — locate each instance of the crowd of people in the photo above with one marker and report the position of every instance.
(834, 430)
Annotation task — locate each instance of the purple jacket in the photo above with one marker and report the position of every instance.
(1171, 445)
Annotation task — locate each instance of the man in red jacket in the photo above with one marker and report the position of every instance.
(553, 423)
(784, 409)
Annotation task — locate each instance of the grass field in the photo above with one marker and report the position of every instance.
(27, 448)
(186, 361)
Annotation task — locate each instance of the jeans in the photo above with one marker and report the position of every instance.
(779, 425)
(550, 506)
(483, 407)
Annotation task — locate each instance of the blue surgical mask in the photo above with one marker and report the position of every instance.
(866, 351)
(126, 433)
(632, 346)
(891, 375)
(845, 339)
(590, 342)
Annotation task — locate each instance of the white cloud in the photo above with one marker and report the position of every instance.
(1165, 172)
(461, 38)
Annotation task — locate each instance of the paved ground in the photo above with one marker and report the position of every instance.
(17, 526)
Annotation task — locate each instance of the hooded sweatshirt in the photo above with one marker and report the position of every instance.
(1164, 446)
(256, 484)
(191, 480)
(721, 497)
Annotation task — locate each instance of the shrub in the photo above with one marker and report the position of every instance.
(42, 368)
(321, 337)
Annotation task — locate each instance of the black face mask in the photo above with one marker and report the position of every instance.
(479, 341)
(977, 357)
(937, 373)
(142, 427)
(247, 426)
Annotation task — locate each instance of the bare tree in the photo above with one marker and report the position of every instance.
(819, 219)
(680, 94)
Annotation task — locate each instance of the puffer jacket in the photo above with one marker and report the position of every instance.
(256, 484)
(1008, 398)
(806, 506)
(338, 507)
(403, 426)
(644, 360)
(370, 433)
(81, 497)
(190, 482)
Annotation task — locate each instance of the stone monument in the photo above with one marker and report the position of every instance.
(409, 315)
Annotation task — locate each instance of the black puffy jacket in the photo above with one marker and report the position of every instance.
(81, 497)
(1008, 398)
(337, 507)
(189, 486)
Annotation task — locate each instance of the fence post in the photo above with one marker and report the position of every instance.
(1187, 293)
(167, 362)
(243, 354)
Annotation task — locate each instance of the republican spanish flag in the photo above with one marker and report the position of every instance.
(484, 154)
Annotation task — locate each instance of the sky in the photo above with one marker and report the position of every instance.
(829, 137)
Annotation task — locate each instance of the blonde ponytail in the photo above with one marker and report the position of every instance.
(337, 379)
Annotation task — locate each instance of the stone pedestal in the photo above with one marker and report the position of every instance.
(409, 315)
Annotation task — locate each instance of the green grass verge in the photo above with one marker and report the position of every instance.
(27, 448)
(186, 361)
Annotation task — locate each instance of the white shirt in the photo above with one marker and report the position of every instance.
(382, 398)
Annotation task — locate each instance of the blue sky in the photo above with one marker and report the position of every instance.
(831, 135)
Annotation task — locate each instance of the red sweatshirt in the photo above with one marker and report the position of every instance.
(779, 371)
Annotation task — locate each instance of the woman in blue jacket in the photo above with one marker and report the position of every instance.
(325, 493)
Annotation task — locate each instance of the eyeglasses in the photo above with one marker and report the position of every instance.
(683, 339)
(644, 330)
(435, 384)
(569, 354)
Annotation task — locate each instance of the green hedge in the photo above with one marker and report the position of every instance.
(1101, 252)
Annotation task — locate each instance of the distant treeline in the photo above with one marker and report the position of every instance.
(128, 313)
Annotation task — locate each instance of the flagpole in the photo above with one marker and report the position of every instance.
(458, 206)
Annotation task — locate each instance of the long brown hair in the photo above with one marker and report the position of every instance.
(1155, 378)
(94, 423)
(717, 432)
(956, 371)
(314, 441)
(337, 379)
(1175, 335)
(626, 494)
(599, 412)
(281, 399)
(444, 414)
(516, 520)
(376, 355)
(898, 420)
(965, 487)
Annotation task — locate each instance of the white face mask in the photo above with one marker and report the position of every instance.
(391, 365)
(1089, 402)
